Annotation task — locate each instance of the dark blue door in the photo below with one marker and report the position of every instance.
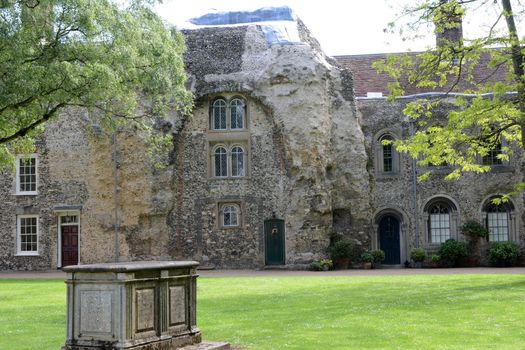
(389, 239)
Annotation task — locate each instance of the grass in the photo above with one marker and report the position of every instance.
(320, 312)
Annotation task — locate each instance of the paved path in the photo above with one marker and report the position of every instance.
(265, 273)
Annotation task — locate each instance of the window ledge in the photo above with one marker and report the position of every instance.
(27, 254)
(25, 193)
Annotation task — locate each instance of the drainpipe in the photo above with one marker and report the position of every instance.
(414, 189)
(116, 193)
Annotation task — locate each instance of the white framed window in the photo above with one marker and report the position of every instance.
(387, 158)
(27, 235)
(228, 115)
(27, 174)
(492, 157)
(498, 220)
(230, 215)
(441, 216)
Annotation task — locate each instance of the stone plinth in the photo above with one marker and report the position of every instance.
(136, 305)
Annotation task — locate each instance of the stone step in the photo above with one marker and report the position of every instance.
(208, 345)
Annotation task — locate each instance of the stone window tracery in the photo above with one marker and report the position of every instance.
(220, 162)
(228, 114)
(498, 220)
(230, 215)
(441, 220)
(237, 161)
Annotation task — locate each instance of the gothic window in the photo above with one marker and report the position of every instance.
(219, 115)
(441, 220)
(387, 162)
(498, 220)
(236, 114)
(220, 162)
(27, 235)
(26, 174)
(230, 215)
(237, 161)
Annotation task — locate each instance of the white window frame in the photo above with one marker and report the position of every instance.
(17, 180)
(19, 250)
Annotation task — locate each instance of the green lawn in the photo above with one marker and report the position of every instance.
(324, 312)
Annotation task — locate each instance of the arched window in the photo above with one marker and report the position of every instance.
(498, 220)
(236, 114)
(219, 115)
(220, 162)
(387, 158)
(230, 215)
(439, 222)
(237, 157)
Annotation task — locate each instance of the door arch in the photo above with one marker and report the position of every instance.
(389, 239)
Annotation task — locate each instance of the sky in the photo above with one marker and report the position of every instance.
(343, 27)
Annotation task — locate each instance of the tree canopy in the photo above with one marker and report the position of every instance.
(490, 120)
(117, 59)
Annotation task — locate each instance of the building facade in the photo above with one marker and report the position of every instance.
(282, 152)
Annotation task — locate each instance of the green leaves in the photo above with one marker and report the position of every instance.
(123, 63)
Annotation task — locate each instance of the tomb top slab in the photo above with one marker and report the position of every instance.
(131, 266)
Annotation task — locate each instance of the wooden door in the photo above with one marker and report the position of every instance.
(69, 234)
(274, 241)
(389, 239)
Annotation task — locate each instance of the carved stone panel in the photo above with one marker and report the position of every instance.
(145, 307)
(177, 305)
(95, 311)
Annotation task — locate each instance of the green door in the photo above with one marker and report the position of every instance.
(274, 241)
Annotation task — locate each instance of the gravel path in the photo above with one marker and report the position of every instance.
(54, 274)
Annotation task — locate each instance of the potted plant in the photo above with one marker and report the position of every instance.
(477, 235)
(379, 257)
(367, 258)
(418, 255)
(341, 253)
(434, 260)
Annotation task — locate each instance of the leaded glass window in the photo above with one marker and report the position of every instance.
(388, 160)
(492, 157)
(230, 215)
(220, 162)
(498, 222)
(26, 174)
(237, 156)
(237, 114)
(28, 235)
(219, 115)
(439, 222)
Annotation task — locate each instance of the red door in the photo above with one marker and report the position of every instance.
(69, 245)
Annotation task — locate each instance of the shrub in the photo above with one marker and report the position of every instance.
(367, 257)
(435, 258)
(378, 255)
(474, 229)
(453, 253)
(316, 266)
(342, 249)
(503, 254)
(418, 254)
